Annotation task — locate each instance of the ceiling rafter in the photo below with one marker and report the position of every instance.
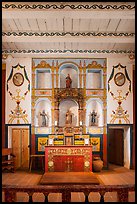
(68, 28)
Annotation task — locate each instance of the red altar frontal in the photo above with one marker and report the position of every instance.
(68, 158)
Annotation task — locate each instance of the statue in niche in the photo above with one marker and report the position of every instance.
(44, 118)
(93, 118)
(68, 117)
(68, 81)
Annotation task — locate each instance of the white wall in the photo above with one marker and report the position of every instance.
(127, 151)
(127, 104)
(24, 104)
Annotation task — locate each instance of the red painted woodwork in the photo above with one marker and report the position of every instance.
(3, 107)
(133, 149)
(33, 144)
(68, 158)
(105, 150)
(68, 163)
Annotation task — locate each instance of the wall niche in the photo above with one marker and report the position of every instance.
(94, 79)
(43, 79)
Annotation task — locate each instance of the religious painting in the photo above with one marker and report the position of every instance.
(95, 143)
(42, 142)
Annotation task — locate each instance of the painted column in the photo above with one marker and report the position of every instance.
(84, 93)
(3, 103)
(84, 78)
(80, 75)
(105, 118)
(56, 116)
(57, 75)
(33, 99)
(52, 103)
(84, 117)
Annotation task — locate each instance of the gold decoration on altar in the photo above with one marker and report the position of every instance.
(50, 163)
(69, 92)
(86, 163)
(69, 151)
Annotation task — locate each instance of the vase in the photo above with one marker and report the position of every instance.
(97, 164)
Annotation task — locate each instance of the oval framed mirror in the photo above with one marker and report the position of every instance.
(119, 79)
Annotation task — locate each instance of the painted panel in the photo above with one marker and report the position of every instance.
(18, 98)
(41, 141)
(95, 143)
(119, 97)
(68, 152)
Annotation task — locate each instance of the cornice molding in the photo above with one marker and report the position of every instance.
(68, 51)
(71, 6)
(94, 34)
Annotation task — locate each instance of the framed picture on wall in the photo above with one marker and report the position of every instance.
(95, 143)
(42, 142)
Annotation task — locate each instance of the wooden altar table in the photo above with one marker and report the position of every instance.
(68, 158)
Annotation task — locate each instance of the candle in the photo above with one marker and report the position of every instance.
(80, 122)
(55, 123)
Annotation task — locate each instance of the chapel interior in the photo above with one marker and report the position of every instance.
(68, 101)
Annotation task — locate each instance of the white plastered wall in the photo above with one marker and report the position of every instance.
(25, 104)
(127, 150)
(126, 104)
